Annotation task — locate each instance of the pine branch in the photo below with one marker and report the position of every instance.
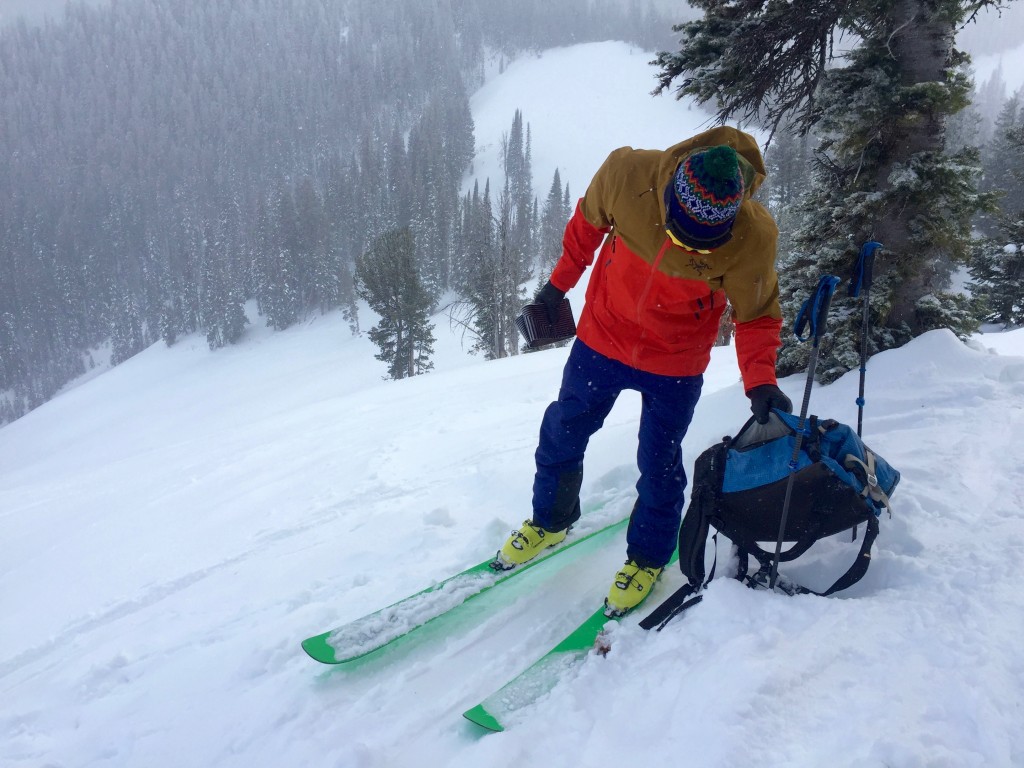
(756, 61)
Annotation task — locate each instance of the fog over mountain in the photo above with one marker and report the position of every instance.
(993, 32)
(34, 11)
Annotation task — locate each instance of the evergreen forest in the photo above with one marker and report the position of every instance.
(162, 163)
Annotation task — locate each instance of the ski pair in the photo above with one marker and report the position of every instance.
(368, 634)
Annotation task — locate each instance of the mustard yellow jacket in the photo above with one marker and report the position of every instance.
(653, 305)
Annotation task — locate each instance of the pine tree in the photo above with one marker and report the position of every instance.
(126, 335)
(279, 290)
(998, 266)
(223, 314)
(498, 250)
(496, 270)
(964, 128)
(13, 366)
(339, 212)
(1003, 161)
(788, 162)
(349, 309)
(316, 256)
(998, 274)
(988, 100)
(387, 280)
(552, 227)
(519, 187)
(881, 171)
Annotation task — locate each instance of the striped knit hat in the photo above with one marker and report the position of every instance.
(704, 196)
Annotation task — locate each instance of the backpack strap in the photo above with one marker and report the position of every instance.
(854, 574)
(693, 532)
(689, 595)
(747, 541)
(673, 605)
(872, 490)
(860, 565)
(812, 439)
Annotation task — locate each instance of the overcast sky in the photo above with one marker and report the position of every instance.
(34, 10)
(989, 35)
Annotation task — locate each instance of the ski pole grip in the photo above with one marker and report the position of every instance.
(802, 321)
(864, 268)
(815, 310)
(869, 263)
(822, 300)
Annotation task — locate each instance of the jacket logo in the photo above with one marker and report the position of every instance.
(698, 266)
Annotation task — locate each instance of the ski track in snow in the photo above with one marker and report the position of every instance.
(173, 528)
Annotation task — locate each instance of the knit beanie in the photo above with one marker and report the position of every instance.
(704, 196)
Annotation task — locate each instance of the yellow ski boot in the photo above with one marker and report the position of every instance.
(524, 545)
(631, 586)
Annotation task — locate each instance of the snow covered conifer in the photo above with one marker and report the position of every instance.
(387, 280)
(552, 226)
(998, 266)
(998, 273)
(1003, 160)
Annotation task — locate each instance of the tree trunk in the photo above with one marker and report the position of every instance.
(922, 44)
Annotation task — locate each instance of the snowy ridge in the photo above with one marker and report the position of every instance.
(172, 529)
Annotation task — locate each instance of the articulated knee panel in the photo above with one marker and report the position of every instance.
(565, 506)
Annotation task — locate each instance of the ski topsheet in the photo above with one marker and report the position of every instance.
(541, 676)
(374, 631)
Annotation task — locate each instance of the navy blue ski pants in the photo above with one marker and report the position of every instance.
(591, 383)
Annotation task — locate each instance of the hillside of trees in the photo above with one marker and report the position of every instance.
(162, 163)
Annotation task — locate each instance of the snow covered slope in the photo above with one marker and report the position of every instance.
(171, 530)
(580, 103)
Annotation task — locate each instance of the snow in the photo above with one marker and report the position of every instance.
(602, 102)
(173, 528)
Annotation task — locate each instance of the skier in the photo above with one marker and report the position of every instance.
(682, 235)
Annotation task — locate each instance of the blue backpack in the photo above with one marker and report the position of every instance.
(739, 488)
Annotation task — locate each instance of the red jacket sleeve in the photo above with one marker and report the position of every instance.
(579, 243)
(757, 346)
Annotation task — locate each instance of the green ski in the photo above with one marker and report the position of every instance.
(374, 631)
(540, 677)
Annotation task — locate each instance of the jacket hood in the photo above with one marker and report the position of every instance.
(751, 162)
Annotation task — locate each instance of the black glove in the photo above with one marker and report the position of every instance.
(765, 397)
(551, 298)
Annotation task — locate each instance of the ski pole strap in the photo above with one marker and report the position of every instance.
(814, 311)
(862, 270)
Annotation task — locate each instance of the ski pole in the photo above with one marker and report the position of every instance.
(862, 275)
(812, 316)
